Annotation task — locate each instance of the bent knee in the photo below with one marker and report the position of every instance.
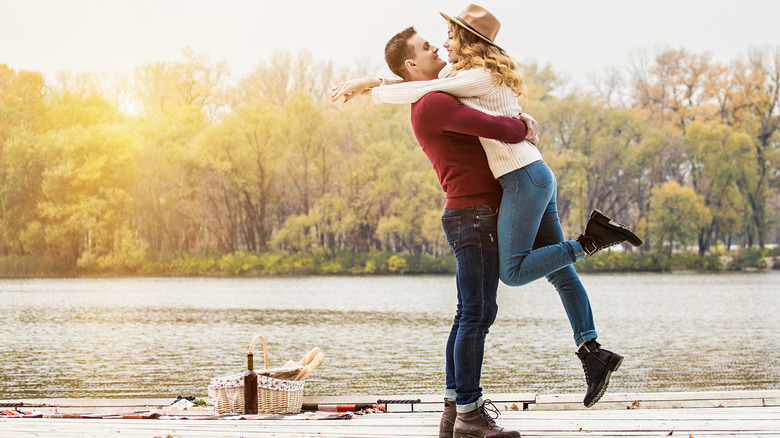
(513, 278)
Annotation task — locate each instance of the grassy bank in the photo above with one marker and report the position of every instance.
(275, 263)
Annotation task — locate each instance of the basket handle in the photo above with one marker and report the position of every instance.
(265, 349)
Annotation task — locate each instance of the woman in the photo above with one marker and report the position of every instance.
(531, 243)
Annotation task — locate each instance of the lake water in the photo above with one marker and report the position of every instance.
(160, 337)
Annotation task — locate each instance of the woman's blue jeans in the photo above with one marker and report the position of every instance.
(531, 243)
(472, 235)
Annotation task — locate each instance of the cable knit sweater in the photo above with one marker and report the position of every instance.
(477, 89)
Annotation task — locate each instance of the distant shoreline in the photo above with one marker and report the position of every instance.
(277, 264)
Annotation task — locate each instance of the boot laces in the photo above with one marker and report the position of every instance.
(584, 367)
(587, 376)
(487, 408)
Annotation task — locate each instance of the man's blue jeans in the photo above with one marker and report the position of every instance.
(531, 243)
(472, 235)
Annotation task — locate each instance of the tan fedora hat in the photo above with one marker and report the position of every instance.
(478, 21)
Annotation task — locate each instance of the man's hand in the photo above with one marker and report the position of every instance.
(533, 140)
(532, 125)
(352, 88)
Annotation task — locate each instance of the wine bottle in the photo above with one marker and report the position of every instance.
(250, 387)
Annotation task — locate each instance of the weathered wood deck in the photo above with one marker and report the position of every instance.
(703, 414)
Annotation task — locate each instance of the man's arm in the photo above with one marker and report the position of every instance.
(451, 115)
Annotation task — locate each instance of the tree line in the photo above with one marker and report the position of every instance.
(178, 159)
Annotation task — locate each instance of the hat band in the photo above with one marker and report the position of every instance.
(472, 29)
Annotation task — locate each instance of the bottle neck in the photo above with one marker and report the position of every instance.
(250, 361)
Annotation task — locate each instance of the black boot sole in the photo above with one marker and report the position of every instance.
(613, 365)
(599, 217)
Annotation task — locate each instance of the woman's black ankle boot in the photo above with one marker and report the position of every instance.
(598, 364)
(601, 232)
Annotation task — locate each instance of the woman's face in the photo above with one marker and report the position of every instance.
(449, 44)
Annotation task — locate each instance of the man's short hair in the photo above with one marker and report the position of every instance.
(398, 50)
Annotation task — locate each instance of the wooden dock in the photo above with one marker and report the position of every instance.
(689, 414)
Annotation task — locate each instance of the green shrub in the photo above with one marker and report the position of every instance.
(612, 261)
(747, 258)
(396, 264)
(772, 252)
(382, 263)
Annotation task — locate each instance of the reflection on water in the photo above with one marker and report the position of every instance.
(381, 335)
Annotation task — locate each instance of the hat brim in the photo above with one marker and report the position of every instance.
(451, 20)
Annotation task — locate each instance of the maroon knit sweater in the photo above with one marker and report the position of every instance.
(448, 132)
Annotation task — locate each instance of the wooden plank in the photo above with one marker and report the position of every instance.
(428, 403)
(661, 396)
(661, 400)
(615, 422)
(505, 401)
(87, 402)
(701, 422)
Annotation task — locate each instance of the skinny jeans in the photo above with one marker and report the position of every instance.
(531, 243)
(472, 235)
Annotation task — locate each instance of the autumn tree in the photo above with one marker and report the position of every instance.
(161, 86)
(671, 88)
(86, 204)
(719, 159)
(676, 215)
(23, 116)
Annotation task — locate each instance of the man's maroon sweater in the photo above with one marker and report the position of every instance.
(448, 132)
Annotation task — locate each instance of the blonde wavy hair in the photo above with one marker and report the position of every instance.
(475, 52)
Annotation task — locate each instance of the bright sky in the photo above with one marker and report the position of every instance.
(576, 37)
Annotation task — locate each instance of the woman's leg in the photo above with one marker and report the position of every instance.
(566, 281)
(528, 193)
(531, 243)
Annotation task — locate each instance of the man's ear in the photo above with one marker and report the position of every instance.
(409, 64)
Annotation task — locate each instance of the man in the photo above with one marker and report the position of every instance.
(448, 133)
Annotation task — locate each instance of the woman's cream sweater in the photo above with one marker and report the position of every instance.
(477, 89)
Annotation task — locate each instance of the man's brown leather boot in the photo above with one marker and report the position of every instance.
(447, 421)
(479, 424)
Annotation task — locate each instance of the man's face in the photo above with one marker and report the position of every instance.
(427, 63)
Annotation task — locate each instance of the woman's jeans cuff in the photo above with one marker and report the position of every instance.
(450, 394)
(579, 251)
(580, 338)
(462, 409)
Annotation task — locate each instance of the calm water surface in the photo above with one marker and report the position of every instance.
(381, 335)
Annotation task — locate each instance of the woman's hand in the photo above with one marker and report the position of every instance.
(353, 87)
(531, 124)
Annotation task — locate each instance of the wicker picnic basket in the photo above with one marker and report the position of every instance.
(274, 396)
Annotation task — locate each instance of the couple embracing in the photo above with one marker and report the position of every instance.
(500, 216)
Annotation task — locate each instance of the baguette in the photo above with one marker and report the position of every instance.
(304, 372)
(308, 357)
(308, 369)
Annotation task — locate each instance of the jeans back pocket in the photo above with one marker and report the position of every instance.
(451, 226)
(539, 173)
